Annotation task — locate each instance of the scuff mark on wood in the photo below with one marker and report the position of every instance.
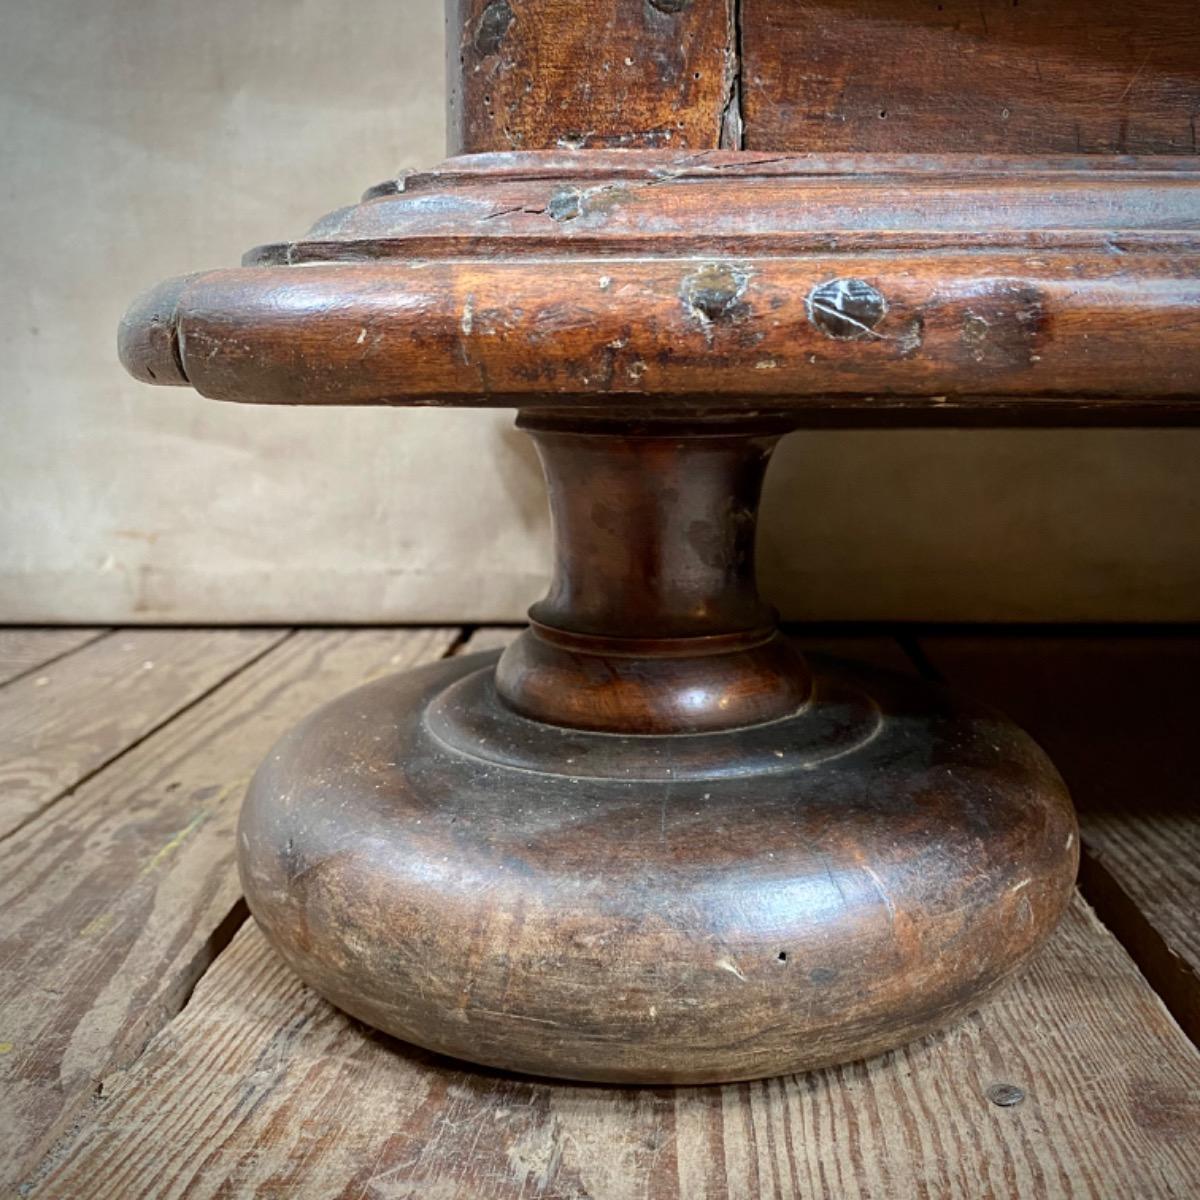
(1003, 325)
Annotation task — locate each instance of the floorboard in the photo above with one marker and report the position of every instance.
(116, 899)
(24, 650)
(262, 1089)
(1118, 717)
(68, 720)
(152, 1045)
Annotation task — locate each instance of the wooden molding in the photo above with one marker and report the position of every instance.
(928, 286)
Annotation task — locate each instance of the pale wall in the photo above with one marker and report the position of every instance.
(143, 140)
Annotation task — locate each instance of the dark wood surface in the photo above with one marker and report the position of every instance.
(656, 908)
(1001, 216)
(653, 622)
(120, 1079)
(652, 843)
(1034, 77)
(1012, 76)
(933, 286)
(623, 74)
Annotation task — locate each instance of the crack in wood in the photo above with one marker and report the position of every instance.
(732, 131)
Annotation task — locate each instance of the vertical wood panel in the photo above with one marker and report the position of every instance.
(1041, 76)
(541, 74)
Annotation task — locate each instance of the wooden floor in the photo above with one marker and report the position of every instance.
(152, 1045)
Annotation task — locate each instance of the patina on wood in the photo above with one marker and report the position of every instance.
(878, 289)
(653, 634)
(1012, 76)
(622, 74)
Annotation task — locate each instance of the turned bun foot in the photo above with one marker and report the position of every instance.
(656, 909)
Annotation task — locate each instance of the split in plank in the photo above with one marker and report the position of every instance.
(24, 650)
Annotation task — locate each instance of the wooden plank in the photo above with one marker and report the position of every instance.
(66, 722)
(980, 76)
(1118, 716)
(24, 650)
(117, 897)
(260, 1088)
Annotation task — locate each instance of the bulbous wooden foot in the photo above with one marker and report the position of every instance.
(656, 909)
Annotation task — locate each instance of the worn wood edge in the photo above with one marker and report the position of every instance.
(260, 1086)
(90, 695)
(692, 288)
(700, 336)
(43, 646)
(763, 164)
(1171, 973)
(167, 870)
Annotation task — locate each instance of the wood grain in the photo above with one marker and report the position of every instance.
(1038, 76)
(64, 723)
(540, 74)
(260, 1088)
(24, 650)
(692, 284)
(117, 898)
(1118, 717)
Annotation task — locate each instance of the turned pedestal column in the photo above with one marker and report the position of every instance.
(651, 841)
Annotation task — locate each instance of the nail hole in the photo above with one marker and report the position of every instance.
(781, 956)
(1006, 1095)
